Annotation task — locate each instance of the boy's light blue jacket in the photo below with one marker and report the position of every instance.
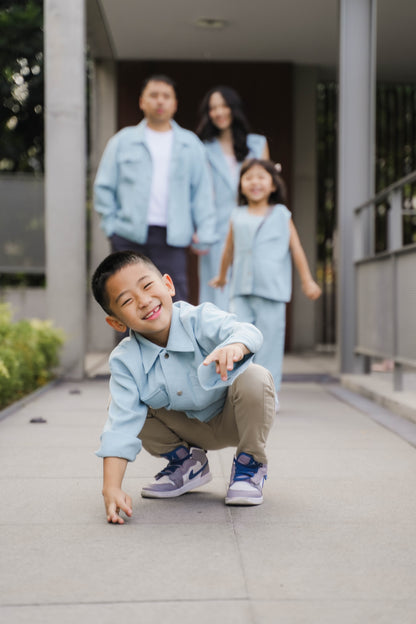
(123, 182)
(144, 374)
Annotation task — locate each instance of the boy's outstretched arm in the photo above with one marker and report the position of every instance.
(115, 499)
(225, 357)
(311, 289)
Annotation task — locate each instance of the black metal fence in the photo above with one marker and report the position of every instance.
(395, 158)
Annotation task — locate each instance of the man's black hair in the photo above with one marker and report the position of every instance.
(159, 78)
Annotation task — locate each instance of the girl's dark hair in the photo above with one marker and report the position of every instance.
(278, 196)
(108, 267)
(207, 131)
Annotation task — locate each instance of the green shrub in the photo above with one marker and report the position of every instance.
(28, 353)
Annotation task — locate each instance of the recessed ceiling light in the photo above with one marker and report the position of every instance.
(210, 22)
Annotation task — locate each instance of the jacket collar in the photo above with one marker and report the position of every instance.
(179, 135)
(178, 341)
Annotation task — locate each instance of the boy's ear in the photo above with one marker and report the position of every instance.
(169, 284)
(116, 324)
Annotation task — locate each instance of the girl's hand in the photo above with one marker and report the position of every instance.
(217, 282)
(311, 289)
(225, 358)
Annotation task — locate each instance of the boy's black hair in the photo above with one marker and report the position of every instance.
(111, 265)
(207, 131)
(159, 78)
(279, 196)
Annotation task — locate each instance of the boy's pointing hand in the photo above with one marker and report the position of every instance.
(225, 357)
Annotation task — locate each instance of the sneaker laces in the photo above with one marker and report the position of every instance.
(174, 463)
(245, 471)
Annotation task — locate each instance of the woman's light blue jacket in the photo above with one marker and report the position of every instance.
(123, 182)
(225, 198)
(225, 188)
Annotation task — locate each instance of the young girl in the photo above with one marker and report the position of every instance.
(224, 130)
(260, 243)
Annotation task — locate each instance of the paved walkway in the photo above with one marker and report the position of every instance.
(335, 540)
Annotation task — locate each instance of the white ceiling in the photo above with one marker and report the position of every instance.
(297, 31)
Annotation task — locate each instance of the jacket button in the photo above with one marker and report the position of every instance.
(166, 356)
(179, 393)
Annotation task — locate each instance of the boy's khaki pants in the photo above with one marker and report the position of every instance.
(244, 422)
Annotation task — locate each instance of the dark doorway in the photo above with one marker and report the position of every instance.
(266, 90)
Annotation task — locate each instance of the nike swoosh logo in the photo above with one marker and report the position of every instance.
(193, 474)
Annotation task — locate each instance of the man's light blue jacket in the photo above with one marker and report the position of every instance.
(123, 182)
(144, 374)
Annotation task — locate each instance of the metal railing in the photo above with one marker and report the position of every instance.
(386, 284)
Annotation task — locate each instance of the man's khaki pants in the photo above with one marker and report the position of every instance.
(244, 422)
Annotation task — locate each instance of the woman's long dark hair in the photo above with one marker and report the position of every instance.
(239, 127)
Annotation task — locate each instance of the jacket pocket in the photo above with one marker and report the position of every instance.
(156, 400)
(129, 166)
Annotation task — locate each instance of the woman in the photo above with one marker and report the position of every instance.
(224, 130)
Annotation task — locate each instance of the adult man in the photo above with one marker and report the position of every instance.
(153, 188)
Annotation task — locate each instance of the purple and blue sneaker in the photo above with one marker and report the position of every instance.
(187, 469)
(246, 482)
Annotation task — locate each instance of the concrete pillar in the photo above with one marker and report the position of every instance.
(304, 205)
(356, 147)
(103, 126)
(65, 179)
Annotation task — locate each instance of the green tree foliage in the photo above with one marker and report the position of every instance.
(21, 86)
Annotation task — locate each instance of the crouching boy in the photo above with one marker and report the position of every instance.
(181, 384)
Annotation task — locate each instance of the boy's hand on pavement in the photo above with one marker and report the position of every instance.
(225, 357)
(116, 500)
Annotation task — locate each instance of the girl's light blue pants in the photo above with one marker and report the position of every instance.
(270, 318)
(209, 267)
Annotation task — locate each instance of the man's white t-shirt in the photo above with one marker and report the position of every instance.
(160, 146)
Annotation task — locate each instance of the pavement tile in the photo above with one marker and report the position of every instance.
(69, 501)
(333, 611)
(103, 563)
(350, 562)
(168, 612)
(342, 463)
(332, 501)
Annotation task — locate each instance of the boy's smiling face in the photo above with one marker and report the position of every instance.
(141, 299)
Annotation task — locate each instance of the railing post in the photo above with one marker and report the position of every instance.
(395, 221)
(395, 241)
